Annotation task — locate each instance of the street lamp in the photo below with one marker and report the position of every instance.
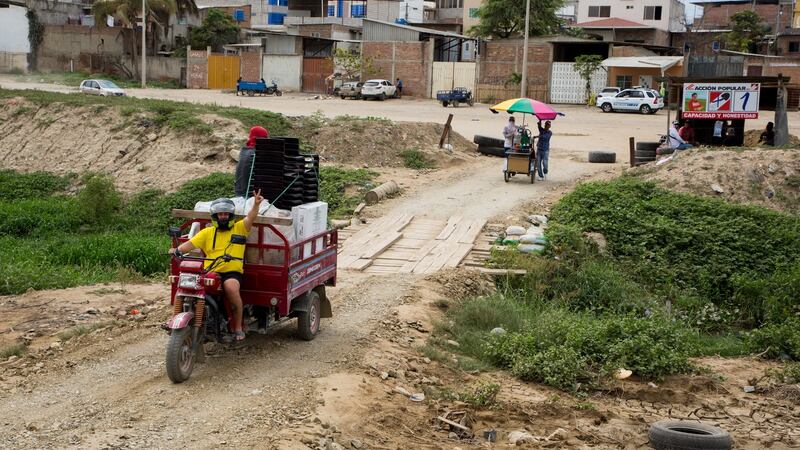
(523, 85)
(144, 46)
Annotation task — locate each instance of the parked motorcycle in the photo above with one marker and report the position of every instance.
(273, 89)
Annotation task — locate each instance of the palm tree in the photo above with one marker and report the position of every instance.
(127, 11)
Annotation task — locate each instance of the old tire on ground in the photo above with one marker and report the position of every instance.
(308, 321)
(487, 141)
(647, 145)
(683, 435)
(492, 151)
(602, 157)
(639, 161)
(180, 360)
(645, 153)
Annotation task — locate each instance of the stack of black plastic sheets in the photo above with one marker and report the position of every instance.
(286, 177)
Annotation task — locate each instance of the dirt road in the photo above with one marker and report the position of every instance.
(581, 129)
(110, 389)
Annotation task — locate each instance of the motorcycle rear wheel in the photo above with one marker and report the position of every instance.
(180, 358)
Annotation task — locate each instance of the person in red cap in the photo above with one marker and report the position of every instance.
(246, 156)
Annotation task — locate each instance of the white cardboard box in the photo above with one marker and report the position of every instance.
(310, 219)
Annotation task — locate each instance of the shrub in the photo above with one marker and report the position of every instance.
(15, 185)
(482, 393)
(677, 239)
(332, 188)
(415, 159)
(778, 340)
(34, 216)
(143, 252)
(99, 200)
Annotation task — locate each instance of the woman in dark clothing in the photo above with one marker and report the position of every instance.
(246, 160)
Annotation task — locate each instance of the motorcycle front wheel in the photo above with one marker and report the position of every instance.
(180, 357)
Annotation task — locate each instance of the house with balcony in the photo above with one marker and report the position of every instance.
(631, 21)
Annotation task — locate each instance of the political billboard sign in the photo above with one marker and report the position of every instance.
(725, 101)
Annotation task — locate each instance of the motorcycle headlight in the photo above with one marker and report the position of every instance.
(188, 281)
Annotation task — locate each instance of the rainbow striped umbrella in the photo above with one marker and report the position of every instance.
(542, 111)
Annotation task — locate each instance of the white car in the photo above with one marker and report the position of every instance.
(103, 88)
(608, 92)
(645, 101)
(379, 89)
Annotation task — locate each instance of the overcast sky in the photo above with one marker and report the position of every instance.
(691, 10)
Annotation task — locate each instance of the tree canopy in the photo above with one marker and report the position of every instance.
(747, 29)
(506, 18)
(586, 66)
(218, 29)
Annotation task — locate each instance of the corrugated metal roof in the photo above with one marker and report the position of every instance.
(661, 62)
(403, 30)
(613, 22)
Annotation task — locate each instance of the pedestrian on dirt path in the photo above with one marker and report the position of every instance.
(399, 88)
(245, 163)
(543, 149)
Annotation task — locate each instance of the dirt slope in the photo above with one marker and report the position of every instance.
(140, 154)
(769, 178)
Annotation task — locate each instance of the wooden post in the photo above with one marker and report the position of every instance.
(781, 120)
(446, 130)
(632, 146)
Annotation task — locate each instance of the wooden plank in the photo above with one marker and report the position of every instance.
(489, 271)
(447, 250)
(459, 255)
(361, 264)
(380, 262)
(378, 247)
(189, 214)
(448, 228)
(475, 229)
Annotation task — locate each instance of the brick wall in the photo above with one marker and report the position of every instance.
(409, 61)
(502, 58)
(699, 43)
(250, 65)
(651, 36)
(716, 17)
(629, 50)
(307, 30)
(89, 48)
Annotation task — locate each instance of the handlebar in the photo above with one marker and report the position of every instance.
(226, 257)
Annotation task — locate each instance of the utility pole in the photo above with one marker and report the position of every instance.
(144, 46)
(523, 85)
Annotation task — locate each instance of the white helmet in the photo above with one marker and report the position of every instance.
(222, 205)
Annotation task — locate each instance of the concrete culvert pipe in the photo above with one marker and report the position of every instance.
(602, 157)
(685, 435)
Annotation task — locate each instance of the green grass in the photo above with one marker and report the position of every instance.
(80, 330)
(181, 116)
(12, 350)
(15, 185)
(75, 79)
(333, 184)
(415, 159)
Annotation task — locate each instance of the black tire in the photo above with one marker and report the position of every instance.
(363, 98)
(645, 109)
(444, 103)
(602, 157)
(506, 176)
(278, 93)
(492, 151)
(251, 93)
(607, 107)
(683, 435)
(647, 145)
(645, 153)
(308, 321)
(487, 141)
(382, 97)
(471, 102)
(180, 359)
(343, 97)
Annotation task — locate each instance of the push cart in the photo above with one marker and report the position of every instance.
(523, 160)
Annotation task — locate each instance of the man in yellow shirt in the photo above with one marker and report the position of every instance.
(215, 240)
